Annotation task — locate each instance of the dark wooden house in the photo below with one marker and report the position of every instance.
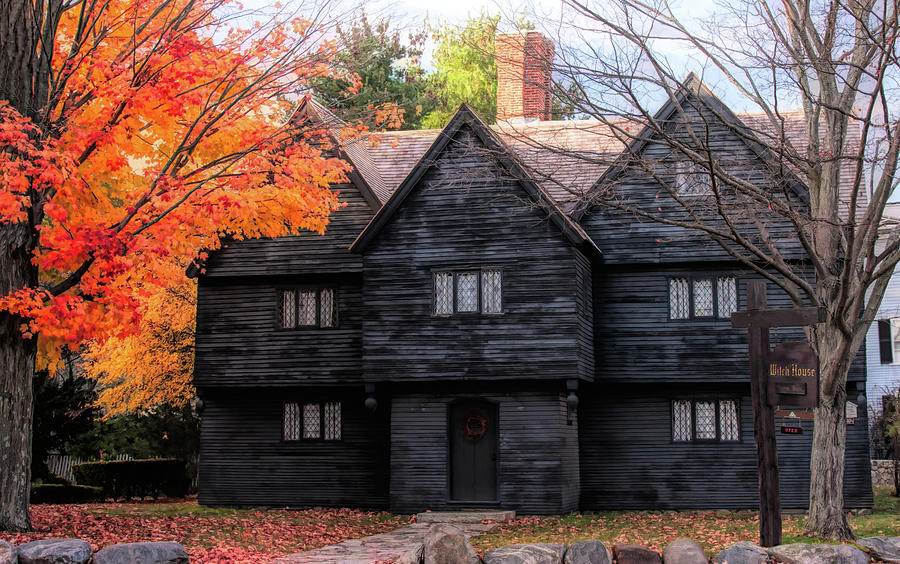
(464, 335)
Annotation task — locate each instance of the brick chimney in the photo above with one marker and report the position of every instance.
(524, 63)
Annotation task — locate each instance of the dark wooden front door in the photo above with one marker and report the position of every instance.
(473, 451)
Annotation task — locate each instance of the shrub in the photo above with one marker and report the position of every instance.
(135, 478)
(65, 493)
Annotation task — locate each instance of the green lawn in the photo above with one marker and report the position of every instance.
(714, 530)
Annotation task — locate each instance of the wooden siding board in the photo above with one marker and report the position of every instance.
(627, 239)
(537, 454)
(628, 460)
(637, 341)
(239, 341)
(305, 253)
(467, 214)
(244, 462)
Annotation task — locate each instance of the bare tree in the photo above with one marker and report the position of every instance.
(821, 80)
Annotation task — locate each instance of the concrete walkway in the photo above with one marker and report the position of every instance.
(380, 547)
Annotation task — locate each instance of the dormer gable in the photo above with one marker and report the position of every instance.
(492, 148)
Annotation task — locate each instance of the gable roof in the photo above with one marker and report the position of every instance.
(363, 172)
(691, 88)
(466, 116)
(565, 158)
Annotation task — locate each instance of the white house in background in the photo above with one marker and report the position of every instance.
(883, 339)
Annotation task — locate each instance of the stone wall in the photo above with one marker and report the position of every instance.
(882, 472)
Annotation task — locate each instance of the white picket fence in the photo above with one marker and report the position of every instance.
(61, 464)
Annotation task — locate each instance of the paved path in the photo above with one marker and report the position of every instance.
(383, 546)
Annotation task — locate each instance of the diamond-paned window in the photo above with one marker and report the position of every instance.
(312, 421)
(679, 298)
(290, 422)
(467, 291)
(443, 293)
(491, 297)
(332, 421)
(692, 179)
(706, 420)
(703, 298)
(288, 309)
(729, 423)
(682, 421)
(726, 294)
(307, 309)
(326, 307)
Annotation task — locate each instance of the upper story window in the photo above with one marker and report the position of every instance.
(702, 297)
(705, 420)
(889, 340)
(311, 421)
(692, 179)
(308, 307)
(468, 291)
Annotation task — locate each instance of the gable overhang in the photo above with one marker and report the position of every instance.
(465, 115)
(692, 87)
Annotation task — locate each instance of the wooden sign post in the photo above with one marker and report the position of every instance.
(758, 320)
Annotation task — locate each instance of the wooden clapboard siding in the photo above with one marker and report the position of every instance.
(468, 214)
(628, 460)
(305, 253)
(537, 454)
(243, 460)
(637, 341)
(239, 341)
(628, 238)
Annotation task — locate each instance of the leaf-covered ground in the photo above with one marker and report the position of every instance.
(713, 530)
(209, 534)
(250, 536)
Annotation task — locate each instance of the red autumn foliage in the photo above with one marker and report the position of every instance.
(209, 535)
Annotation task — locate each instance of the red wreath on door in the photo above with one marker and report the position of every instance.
(476, 425)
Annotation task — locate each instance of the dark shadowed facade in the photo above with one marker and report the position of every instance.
(464, 335)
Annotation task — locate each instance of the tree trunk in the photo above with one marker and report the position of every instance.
(16, 368)
(826, 488)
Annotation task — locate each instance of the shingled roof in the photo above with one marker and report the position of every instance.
(505, 156)
(567, 158)
(369, 177)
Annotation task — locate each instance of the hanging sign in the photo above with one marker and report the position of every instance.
(793, 370)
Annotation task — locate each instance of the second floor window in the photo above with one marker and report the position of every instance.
(469, 291)
(702, 297)
(313, 307)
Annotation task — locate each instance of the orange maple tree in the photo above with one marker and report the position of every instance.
(141, 133)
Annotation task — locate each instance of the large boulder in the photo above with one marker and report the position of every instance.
(142, 553)
(55, 551)
(539, 553)
(684, 551)
(8, 553)
(886, 549)
(412, 556)
(800, 553)
(635, 554)
(446, 544)
(588, 552)
(742, 553)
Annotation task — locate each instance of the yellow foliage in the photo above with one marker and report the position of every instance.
(154, 365)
